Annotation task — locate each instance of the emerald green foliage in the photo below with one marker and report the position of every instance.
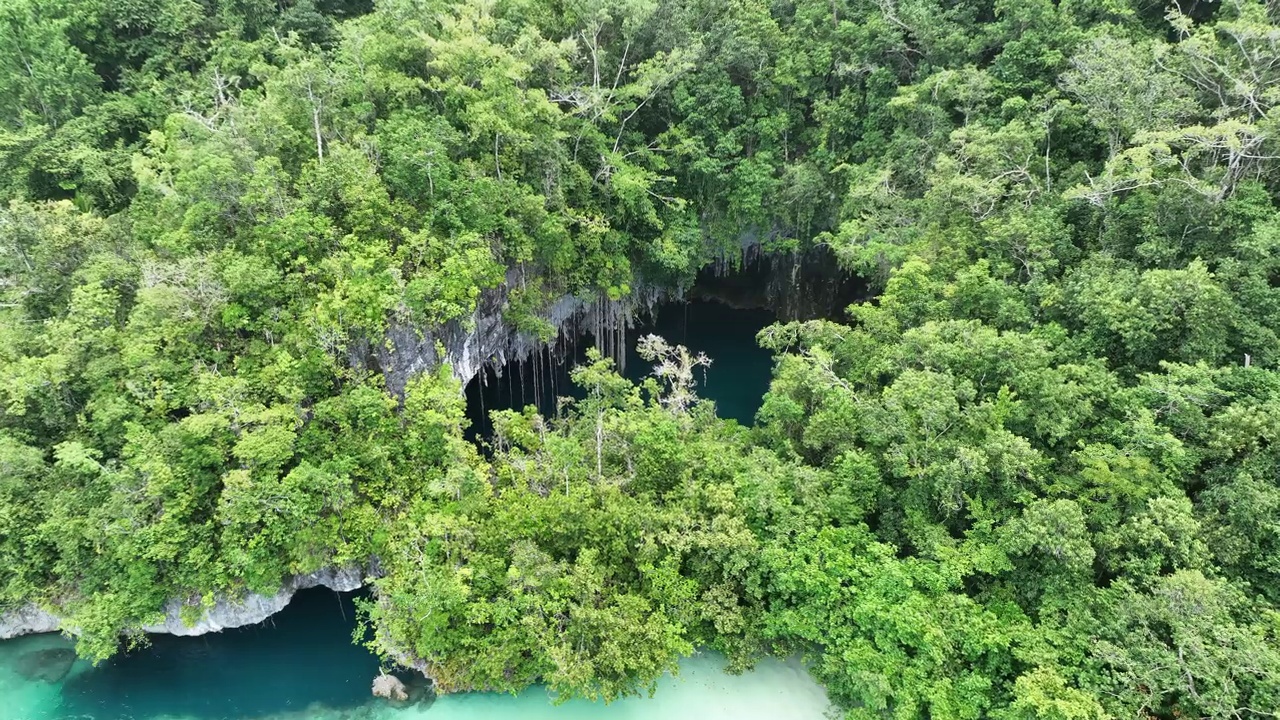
(1033, 479)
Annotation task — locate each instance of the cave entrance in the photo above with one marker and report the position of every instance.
(736, 381)
(720, 315)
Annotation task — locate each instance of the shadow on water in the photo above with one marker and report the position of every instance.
(737, 380)
(740, 369)
(301, 657)
(538, 381)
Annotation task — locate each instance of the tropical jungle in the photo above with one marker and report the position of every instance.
(252, 253)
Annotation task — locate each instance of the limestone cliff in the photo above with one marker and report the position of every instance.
(27, 620)
(487, 338)
(233, 613)
(794, 285)
(225, 613)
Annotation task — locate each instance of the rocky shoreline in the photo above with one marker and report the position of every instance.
(226, 613)
(487, 339)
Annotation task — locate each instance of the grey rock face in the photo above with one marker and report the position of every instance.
(233, 613)
(796, 286)
(27, 620)
(390, 687)
(225, 613)
(488, 339)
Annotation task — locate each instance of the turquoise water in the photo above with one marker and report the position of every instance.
(301, 664)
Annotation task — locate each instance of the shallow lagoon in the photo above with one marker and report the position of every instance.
(301, 664)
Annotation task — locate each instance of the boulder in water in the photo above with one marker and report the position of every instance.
(49, 665)
(390, 687)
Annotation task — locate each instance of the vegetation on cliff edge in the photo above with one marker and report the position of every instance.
(1032, 479)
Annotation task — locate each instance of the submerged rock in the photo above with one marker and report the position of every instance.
(49, 665)
(390, 687)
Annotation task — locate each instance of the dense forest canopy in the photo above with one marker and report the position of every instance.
(1032, 479)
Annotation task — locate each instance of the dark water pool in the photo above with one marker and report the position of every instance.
(300, 659)
(740, 369)
(737, 379)
(301, 665)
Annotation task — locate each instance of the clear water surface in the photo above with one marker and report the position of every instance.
(301, 664)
